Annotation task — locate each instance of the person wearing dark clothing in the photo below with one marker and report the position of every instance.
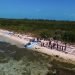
(51, 46)
(65, 47)
(49, 43)
(57, 46)
(54, 45)
(62, 48)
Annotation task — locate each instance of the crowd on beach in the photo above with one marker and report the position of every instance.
(47, 43)
(52, 44)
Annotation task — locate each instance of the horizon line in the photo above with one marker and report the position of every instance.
(39, 19)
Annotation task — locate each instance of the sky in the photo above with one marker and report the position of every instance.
(38, 9)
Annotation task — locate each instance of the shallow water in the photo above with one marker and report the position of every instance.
(20, 61)
(17, 61)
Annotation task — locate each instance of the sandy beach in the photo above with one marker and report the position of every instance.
(53, 52)
(21, 41)
(12, 39)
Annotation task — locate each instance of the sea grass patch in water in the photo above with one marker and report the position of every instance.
(27, 62)
(3, 58)
(22, 61)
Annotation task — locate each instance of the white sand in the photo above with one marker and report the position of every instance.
(18, 41)
(13, 39)
(54, 52)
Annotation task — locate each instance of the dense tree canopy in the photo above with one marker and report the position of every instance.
(63, 30)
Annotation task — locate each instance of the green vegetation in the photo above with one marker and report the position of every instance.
(62, 30)
(60, 67)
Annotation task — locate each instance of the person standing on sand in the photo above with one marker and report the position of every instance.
(65, 47)
(49, 43)
(54, 45)
(57, 46)
(62, 48)
(41, 44)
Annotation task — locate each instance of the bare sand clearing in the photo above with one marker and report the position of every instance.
(19, 41)
(54, 52)
(13, 39)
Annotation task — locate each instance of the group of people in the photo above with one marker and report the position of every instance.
(50, 43)
(53, 44)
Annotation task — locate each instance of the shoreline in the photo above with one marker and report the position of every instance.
(21, 42)
(53, 52)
